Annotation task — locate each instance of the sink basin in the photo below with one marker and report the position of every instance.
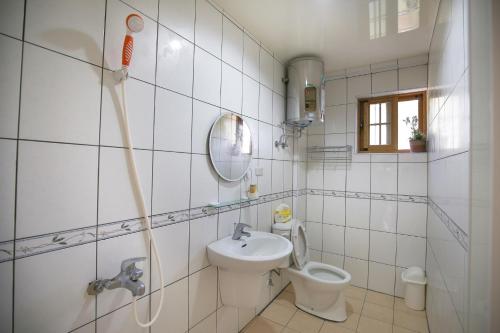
(243, 265)
(259, 253)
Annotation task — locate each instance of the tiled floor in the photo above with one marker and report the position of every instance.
(368, 312)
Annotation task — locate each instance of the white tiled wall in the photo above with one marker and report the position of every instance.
(449, 171)
(66, 203)
(374, 225)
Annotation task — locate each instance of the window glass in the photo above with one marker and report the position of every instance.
(406, 109)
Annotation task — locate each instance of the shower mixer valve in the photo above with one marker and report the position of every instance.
(128, 278)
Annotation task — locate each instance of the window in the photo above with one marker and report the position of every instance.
(381, 122)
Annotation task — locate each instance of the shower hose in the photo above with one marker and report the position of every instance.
(143, 210)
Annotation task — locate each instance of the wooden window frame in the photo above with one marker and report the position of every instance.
(364, 119)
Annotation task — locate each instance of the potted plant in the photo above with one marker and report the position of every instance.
(417, 138)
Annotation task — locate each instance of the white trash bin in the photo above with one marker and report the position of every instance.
(415, 281)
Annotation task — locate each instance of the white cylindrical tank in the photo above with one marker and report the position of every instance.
(305, 101)
(415, 281)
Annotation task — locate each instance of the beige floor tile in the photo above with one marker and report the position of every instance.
(278, 313)
(414, 323)
(262, 325)
(290, 289)
(329, 327)
(355, 292)
(397, 329)
(353, 305)
(399, 305)
(286, 299)
(305, 323)
(350, 323)
(379, 298)
(289, 330)
(369, 325)
(378, 312)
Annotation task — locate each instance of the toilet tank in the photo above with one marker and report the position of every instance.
(305, 100)
(285, 230)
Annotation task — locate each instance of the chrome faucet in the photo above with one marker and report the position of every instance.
(128, 278)
(238, 231)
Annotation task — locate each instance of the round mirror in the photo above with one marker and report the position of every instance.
(230, 147)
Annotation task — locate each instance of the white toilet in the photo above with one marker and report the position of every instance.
(318, 287)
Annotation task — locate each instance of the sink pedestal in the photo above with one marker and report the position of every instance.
(240, 289)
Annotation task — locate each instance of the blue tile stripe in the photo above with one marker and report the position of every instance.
(29, 246)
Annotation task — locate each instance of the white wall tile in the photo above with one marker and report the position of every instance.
(336, 92)
(207, 77)
(6, 285)
(232, 44)
(334, 210)
(352, 118)
(69, 309)
(207, 325)
(357, 213)
(75, 28)
(251, 54)
(56, 187)
(12, 17)
(173, 247)
(315, 208)
(178, 16)
(204, 115)
(265, 140)
(265, 105)
(208, 27)
(8, 153)
(383, 215)
(278, 109)
(314, 255)
(172, 121)
(148, 7)
(250, 102)
(229, 191)
(174, 317)
(335, 119)
(231, 88)
(202, 232)
(143, 61)
(89, 328)
(204, 185)
(333, 239)
(410, 177)
(413, 77)
(227, 223)
(315, 175)
(335, 176)
(358, 177)
(381, 278)
(266, 68)
(383, 247)
(279, 75)
(265, 217)
(384, 178)
(357, 87)
(121, 321)
(357, 243)
(174, 62)
(117, 194)
(384, 66)
(202, 294)
(399, 290)
(333, 259)
(140, 111)
(74, 115)
(112, 252)
(10, 71)
(412, 218)
(359, 271)
(171, 172)
(411, 251)
(277, 178)
(314, 238)
(385, 82)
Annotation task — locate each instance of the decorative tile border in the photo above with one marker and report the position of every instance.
(453, 228)
(366, 195)
(55, 241)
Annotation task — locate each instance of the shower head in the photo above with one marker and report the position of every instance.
(134, 23)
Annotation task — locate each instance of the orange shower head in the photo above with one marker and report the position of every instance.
(134, 24)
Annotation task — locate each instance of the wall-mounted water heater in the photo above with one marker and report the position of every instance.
(305, 101)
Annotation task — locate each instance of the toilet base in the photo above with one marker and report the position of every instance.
(336, 312)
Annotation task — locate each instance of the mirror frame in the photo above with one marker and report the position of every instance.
(210, 148)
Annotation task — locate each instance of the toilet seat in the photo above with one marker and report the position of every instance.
(300, 252)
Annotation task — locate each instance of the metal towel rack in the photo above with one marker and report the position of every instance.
(330, 153)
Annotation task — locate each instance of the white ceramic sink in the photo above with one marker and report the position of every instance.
(259, 253)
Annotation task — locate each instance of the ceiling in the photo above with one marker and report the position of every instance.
(339, 31)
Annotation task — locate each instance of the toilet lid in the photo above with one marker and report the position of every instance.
(300, 251)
